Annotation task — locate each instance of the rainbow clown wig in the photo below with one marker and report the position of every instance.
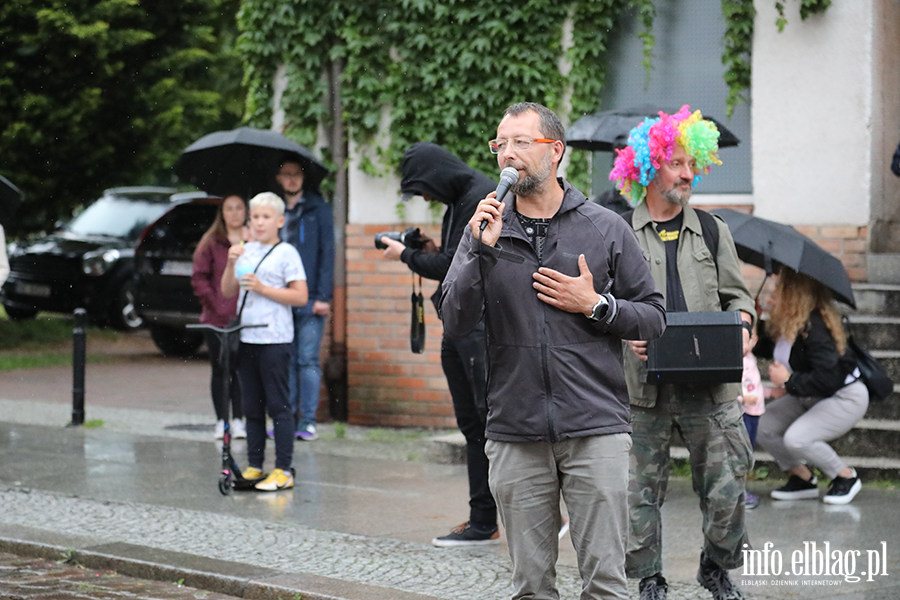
(654, 140)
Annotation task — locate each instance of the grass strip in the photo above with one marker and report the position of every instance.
(12, 362)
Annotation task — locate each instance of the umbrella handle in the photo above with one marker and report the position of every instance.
(759, 291)
(767, 260)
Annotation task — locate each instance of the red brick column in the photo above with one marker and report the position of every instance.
(389, 385)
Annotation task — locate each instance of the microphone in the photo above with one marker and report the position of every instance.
(508, 177)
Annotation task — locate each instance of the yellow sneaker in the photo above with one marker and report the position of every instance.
(252, 473)
(277, 480)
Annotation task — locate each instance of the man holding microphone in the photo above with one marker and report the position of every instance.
(560, 282)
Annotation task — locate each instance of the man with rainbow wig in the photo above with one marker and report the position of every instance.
(664, 159)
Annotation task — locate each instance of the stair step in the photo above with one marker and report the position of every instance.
(877, 298)
(876, 331)
(866, 441)
(869, 468)
(888, 409)
(890, 360)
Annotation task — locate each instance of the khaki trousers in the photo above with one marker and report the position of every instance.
(591, 475)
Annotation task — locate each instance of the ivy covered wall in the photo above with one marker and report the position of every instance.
(447, 68)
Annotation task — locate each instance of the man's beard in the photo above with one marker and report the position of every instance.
(674, 197)
(532, 182)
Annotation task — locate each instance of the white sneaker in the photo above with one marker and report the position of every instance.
(220, 429)
(238, 430)
(308, 434)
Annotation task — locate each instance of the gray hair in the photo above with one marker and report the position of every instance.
(550, 125)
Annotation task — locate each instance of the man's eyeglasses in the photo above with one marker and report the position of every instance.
(291, 175)
(521, 143)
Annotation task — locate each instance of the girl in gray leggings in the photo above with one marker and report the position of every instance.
(819, 395)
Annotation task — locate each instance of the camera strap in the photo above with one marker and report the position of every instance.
(417, 322)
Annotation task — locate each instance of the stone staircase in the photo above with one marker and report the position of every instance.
(873, 446)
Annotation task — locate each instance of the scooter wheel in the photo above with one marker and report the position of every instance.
(225, 485)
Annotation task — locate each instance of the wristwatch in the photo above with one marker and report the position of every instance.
(599, 310)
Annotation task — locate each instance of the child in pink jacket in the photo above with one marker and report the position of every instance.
(753, 402)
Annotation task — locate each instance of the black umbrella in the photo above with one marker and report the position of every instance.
(244, 160)
(767, 244)
(10, 197)
(607, 130)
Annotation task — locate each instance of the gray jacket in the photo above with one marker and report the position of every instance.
(709, 285)
(552, 374)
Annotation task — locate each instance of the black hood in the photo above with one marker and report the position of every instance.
(431, 170)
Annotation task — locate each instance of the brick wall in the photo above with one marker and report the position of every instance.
(388, 384)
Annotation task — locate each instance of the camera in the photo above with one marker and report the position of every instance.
(411, 238)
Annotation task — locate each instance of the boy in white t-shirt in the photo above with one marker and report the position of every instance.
(271, 278)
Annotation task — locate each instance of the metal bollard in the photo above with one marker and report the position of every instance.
(79, 357)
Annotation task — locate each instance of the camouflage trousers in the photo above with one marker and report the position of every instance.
(720, 458)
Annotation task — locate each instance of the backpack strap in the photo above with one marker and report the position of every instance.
(710, 230)
(244, 300)
(708, 227)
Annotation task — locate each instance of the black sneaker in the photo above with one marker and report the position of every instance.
(797, 488)
(653, 587)
(715, 579)
(466, 535)
(843, 489)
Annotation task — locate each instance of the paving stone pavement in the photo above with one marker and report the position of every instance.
(30, 578)
(469, 575)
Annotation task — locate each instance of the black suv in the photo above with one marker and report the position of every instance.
(163, 264)
(88, 262)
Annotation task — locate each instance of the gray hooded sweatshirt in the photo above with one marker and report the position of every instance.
(554, 375)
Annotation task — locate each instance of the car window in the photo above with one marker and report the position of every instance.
(117, 217)
(181, 229)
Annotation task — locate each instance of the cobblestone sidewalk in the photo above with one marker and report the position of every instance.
(23, 578)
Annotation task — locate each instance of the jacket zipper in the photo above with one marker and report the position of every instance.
(545, 363)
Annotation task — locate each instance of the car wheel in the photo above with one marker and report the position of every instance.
(176, 341)
(123, 313)
(19, 314)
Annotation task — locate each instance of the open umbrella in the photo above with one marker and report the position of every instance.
(10, 197)
(244, 160)
(608, 130)
(767, 244)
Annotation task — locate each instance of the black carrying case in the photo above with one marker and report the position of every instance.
(696, 348)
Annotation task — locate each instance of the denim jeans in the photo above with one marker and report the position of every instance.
(305, 373)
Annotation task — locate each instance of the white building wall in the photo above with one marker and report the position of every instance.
(373, 199)
(825, 106)
(812, 114)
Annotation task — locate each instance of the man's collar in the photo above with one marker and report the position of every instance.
(572, 198)
(300, 200)
(641, 217)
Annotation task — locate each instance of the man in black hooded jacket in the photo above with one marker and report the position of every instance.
(431, 171)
